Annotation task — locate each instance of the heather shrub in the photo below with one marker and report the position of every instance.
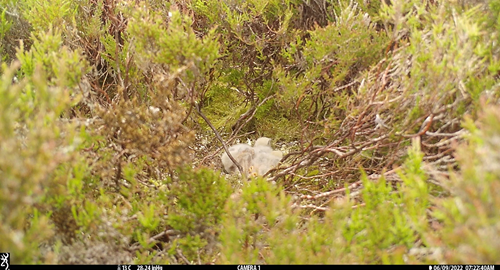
(468, 216)
(113, 115)
(36, 142)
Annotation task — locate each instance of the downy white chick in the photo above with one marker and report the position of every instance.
(265, 158)
(262, 144)
(242, 153)
(257, 160)
(265, 161)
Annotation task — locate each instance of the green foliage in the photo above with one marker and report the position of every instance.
(447, 52)
(248, 214)
(62, 65)
(331, 56)
(470, 215)
(5, 26)
(350, 42)
(391, 218)
(34, 142)
(43, 15)
(200, 197)
(32, 148)
(174, 45)
(100, 163)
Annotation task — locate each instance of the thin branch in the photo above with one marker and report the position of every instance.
(179, 252)
(325, 194)
(221, 140)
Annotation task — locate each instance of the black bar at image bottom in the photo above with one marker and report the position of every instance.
(256, 267)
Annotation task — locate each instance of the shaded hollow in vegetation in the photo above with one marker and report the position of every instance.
(112, 115)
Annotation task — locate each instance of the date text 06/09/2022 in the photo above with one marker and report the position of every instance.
(462, 267)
